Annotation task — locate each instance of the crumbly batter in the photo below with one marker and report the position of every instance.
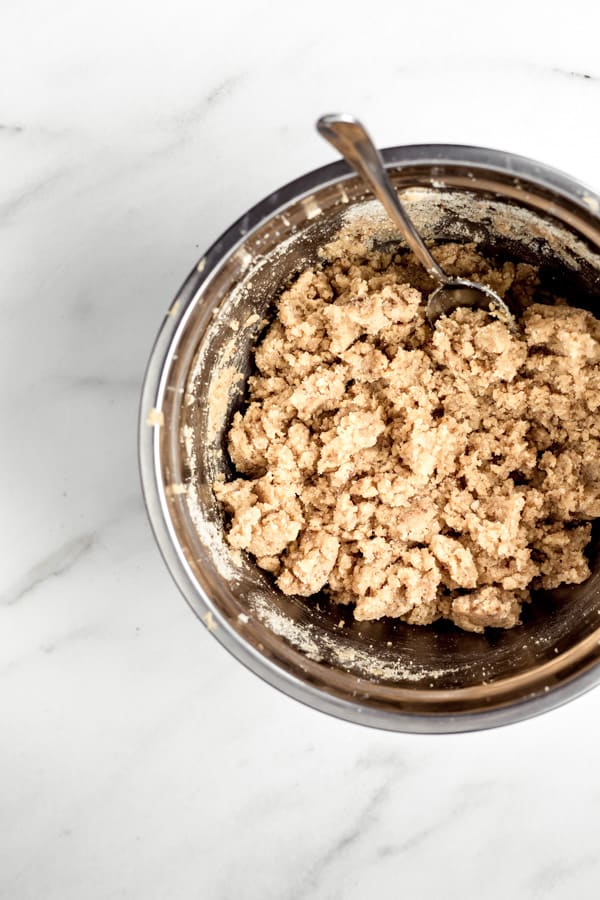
(412, 472)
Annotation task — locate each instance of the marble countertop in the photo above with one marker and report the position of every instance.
(137, 758)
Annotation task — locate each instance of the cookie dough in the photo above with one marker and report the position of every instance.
(412, 472)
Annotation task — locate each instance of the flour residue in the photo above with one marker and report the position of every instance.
(319, 645)
(226, 380)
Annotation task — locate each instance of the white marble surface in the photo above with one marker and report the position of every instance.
(137, 759)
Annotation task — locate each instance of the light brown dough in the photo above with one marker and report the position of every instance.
(417, 473)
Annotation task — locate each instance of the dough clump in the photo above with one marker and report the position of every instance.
(412, 472)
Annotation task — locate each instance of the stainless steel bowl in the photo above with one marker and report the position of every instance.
(384, 674)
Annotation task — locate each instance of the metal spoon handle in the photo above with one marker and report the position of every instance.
(351, 139)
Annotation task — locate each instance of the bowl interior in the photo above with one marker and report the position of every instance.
(386, 663)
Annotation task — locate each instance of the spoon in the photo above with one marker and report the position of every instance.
(353, 142)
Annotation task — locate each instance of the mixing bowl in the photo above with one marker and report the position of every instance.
(386, 673)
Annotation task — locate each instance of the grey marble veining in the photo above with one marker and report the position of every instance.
(54, 565)
(137, 758)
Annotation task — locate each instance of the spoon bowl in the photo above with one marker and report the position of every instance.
(445, 299)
